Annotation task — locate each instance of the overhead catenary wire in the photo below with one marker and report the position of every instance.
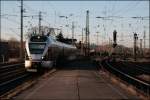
(128, 8)
(112, 15)
(14, 32)
(11, 20)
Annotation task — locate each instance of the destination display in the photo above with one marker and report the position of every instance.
(38, 38)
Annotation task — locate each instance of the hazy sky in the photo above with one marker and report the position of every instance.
(51, 10)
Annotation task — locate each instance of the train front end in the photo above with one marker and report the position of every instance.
(36, 51)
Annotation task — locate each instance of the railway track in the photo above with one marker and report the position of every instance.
(130, 69)
(11, 76)
(138, 67)
(127, 77)
(141, 70)
(14, 75)
(11, 84)
(27, 80)
(9, 63)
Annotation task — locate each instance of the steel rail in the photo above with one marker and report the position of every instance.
(9, 63)
(10, 76)
(6, 66)
(137, 67)
(11, 72)
(145, 87)
(8, 85)
(5, 83)
(10, 68)
(140, 67)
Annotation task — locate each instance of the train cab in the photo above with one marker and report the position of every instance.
(36, 53)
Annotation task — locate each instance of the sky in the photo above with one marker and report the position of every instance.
(51, 10)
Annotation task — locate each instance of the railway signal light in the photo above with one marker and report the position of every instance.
(135, 36)
(135, 44)
(115, 38)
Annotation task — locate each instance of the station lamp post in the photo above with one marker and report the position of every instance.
(68, 26)
(21, 31)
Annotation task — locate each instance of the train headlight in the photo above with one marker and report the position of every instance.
(42, 57)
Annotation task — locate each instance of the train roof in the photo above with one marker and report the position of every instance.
(45, 38)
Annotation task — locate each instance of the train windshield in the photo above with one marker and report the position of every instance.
(36, 48)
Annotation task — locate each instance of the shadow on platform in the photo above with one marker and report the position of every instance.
(82, 63)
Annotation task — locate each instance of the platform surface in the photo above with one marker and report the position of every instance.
(79, 80)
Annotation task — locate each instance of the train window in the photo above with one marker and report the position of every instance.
(38, 38)
(37, 45)
(36, 48)
(36, 51)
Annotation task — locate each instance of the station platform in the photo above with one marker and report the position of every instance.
(78, 80)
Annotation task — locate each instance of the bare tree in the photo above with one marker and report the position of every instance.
(44, 29)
